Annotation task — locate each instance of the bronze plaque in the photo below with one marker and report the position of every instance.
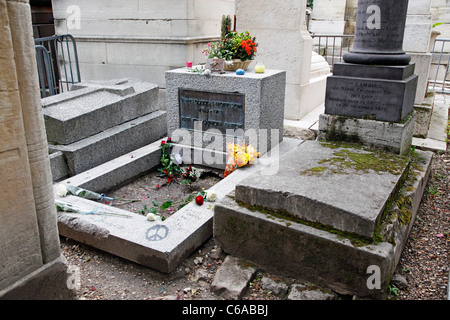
(215, 110)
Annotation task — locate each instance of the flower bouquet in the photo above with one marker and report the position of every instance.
(239, 156)
(237, 49)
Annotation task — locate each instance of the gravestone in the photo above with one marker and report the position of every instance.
(375, 83)
(336, 211)
(204, 113)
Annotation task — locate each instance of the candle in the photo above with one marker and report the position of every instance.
(260, 68)
(189, 64)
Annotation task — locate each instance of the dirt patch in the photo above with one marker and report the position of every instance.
(152, 190)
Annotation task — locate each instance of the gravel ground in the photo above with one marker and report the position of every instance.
(424, 263)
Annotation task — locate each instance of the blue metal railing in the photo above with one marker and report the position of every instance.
(57, 61)
(441, 59)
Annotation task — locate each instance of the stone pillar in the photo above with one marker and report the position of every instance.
(379, 33)
(31, 265)
(372, 93)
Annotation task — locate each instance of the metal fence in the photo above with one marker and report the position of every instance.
(57, 62)
(440, 64)
(332, 47)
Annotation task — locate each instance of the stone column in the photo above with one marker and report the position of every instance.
(370, 97)
(31, 265)
(379, 32)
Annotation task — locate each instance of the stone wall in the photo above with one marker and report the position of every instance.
(139, 38)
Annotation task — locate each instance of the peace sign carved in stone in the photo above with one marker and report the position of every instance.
(157, 233)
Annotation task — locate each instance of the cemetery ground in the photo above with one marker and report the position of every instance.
(423, 268)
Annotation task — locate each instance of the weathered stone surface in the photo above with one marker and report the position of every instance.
(264, 102)
(91, 107)
(58, 166)
(309, 185)
(118, 171)
(392, 137)
(232, 279)
(314, 254)
(29, 236)
(373, 92)
(161, 246)
(303, 292)
(278, 289)
(114, 142)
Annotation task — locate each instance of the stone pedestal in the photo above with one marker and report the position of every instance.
(96, 122)
(384, 93)
(206, 112)
(376, 82)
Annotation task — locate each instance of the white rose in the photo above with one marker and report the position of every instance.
(178, 158)
(61, 190)
(211, 195)
(153, 217)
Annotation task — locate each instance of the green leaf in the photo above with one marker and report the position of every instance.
(155, 203)
(166, 205)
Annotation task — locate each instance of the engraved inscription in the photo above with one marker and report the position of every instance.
(377, 100)
(220, 111)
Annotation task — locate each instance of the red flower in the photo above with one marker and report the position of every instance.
(171, 178)
(199, 200)
(163, 142)
(169, 139)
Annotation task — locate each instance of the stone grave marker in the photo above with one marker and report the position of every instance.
(375, 83)
(206, 112)
(336, 211)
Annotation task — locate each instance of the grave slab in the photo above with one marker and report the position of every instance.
(164, 245)
(113, 142)
(321, 255)
(91, 107)
(322, 183)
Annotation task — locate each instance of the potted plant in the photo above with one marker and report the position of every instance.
(236, 49)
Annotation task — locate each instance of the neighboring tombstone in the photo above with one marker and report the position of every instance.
(339, 214)
(214, 110)
(97, 122)
(32, 266)
(376, 86)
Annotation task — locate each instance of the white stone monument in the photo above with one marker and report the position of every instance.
(285, 44)
(139, 38)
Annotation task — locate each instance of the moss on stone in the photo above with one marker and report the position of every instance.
(364, 160)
